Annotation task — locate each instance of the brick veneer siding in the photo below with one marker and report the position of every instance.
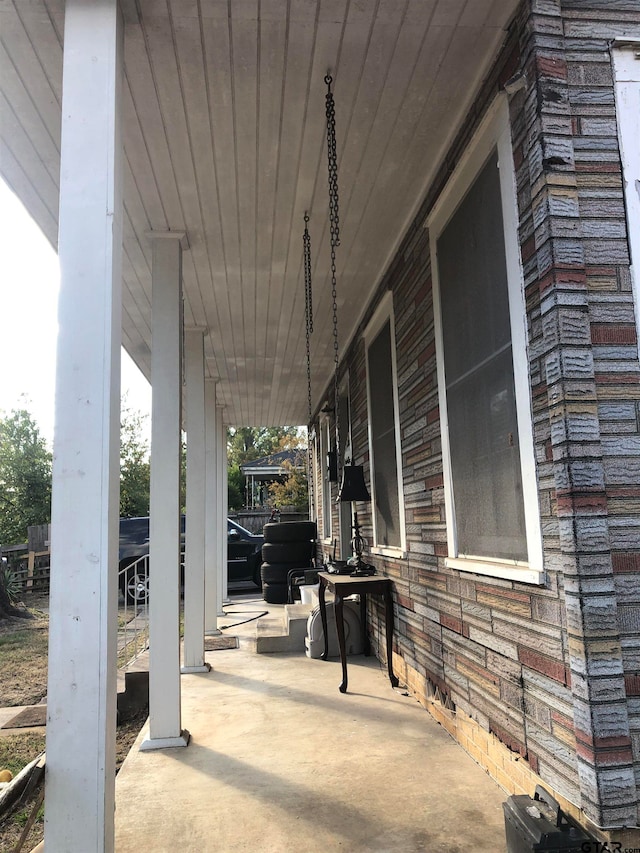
(552, 672)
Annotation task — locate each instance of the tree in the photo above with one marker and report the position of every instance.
(294, 490)
(244, 444)
(235, 488)
(25, 477)
(134, 465)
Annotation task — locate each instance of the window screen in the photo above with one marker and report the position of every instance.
(481, 407)
(383, 440)
(326, 485)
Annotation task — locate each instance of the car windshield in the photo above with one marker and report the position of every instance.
(233, 525)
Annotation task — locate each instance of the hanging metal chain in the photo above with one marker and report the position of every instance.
(308, 297)
(308, 313)
(334, 224)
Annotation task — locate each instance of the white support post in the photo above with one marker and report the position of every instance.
(211, 538)
(81, 706)
(221, 551)
(194, 575)
(224, 476)
(164, 505)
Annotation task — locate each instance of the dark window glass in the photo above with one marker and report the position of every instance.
(383, 437)
(481, 406)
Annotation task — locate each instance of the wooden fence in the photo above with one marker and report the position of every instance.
(31, 562)
(254, 520)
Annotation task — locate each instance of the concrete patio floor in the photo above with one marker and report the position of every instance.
(279, 761)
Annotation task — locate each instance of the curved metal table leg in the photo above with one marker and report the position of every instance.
(323, 618)
(388, 601)
(339, 613)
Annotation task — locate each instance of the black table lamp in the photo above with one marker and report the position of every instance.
(354, 489)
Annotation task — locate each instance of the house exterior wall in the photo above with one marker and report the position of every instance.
(551, 673)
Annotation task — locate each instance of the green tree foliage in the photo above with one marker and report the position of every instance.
(25, 477)
(134, 464)
(235, 487)
(294, 490)
(244, 444)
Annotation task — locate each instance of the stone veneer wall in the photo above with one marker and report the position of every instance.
(553, 672)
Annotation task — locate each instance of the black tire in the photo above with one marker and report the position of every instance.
(275, 573)
(257, 576)
(287, 552)
(275, 593)
(290, 531)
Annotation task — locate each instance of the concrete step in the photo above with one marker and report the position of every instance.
(284, 631)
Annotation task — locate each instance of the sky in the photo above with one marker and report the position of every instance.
(29, 284)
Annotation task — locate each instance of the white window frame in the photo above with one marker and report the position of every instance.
(325, 447)
(383, 313)
(626, 67)
(344, 511)
(312, 441)
(493, 133)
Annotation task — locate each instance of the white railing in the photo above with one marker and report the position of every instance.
(133, 616)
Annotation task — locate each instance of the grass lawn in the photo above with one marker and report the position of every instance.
(23, 680)
(23, 659)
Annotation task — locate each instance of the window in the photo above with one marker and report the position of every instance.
(313, 473)
(384, 434)
(493, 523)
(344, 429)
(626, 63)
(325, 445)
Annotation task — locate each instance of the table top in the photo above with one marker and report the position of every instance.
(344, 580)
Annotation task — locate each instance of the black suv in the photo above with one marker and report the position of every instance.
(243, 554)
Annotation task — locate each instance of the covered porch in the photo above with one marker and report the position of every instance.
(170, 151)
(280, 760)
(472, 347)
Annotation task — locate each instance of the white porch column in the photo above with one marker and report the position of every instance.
(194, 574)
(211, 537)
(81, 706)
(221, 456)
(164, 505)
(225, 512)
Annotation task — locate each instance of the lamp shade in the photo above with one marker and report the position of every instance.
(353, 486)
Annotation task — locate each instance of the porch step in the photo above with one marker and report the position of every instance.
(283, 631)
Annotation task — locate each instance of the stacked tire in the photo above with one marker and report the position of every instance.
(287, 545)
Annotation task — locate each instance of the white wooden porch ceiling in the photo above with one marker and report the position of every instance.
(224, 131)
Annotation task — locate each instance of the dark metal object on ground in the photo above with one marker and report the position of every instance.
(539, 825)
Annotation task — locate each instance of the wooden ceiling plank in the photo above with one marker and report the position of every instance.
(271, 75)
(188, 38)
(136, 222)
(448, 12)
(217, 48)
(347, 72)
(18, 108)
(31, 40)
(140, 165)
(326, 49)
(292, 121)
(239, 182)
(30, 160)
(392, 129)
(245, 92)
(20, 182)
(147, 108)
